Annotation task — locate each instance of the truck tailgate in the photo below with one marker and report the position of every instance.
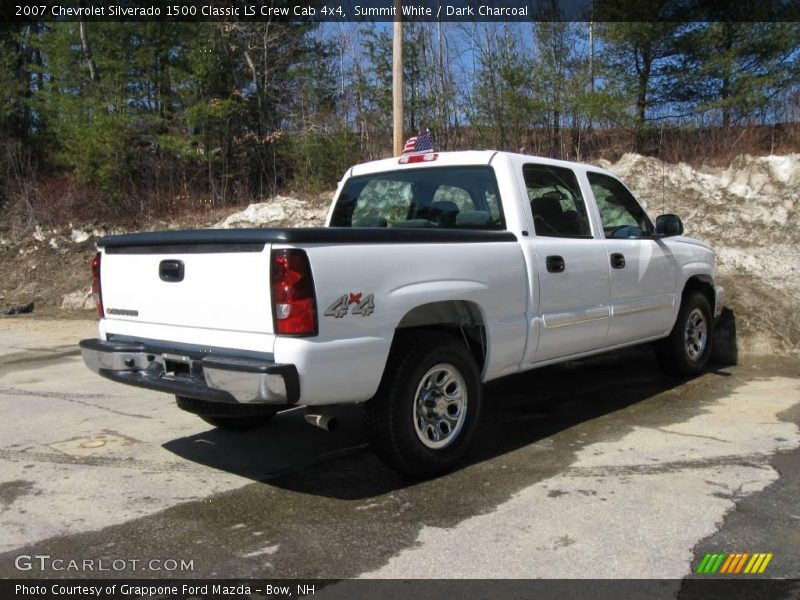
(223, 287)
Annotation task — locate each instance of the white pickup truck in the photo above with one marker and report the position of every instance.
(434, 273)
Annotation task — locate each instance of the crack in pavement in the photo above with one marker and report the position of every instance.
(70, 397)
(695, 435)
(159, 467)
(756, 460)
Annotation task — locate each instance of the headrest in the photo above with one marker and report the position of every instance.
(375, 221)
(474, 218)
(444, 206)
(546, 207)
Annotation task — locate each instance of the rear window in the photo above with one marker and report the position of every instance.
(440, 197)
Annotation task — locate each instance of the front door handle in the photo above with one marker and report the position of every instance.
(617, 261)
(555, 264)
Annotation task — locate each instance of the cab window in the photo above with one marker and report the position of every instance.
(557, 205)
(436, 197)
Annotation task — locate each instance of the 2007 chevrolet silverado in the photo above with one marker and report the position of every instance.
(435, 272)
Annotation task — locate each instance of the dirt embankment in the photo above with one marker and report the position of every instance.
(747, 212)
(51, 267)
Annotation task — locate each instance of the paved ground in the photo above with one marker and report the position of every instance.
(599, 468)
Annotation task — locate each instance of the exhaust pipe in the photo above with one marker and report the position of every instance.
(326, 422)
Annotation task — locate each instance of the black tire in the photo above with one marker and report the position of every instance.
(234, 417)
(686, 351)
(445, 373)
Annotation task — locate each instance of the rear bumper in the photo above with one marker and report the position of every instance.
(215, 378)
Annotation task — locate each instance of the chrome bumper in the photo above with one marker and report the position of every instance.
(228, 379)
(719, 299)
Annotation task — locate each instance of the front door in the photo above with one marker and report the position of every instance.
(643, 270)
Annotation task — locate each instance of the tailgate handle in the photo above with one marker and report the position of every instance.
(171, 270)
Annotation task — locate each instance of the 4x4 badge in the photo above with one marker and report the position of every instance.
(341, 306)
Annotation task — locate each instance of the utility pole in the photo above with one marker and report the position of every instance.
(591, 55)
(397, 77)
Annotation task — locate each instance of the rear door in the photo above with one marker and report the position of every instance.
(643, 269)
(571, 298)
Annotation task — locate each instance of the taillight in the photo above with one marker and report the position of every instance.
(293, 301)
(96, 293)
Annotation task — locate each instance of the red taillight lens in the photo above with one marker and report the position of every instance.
(96, 293)
(417, 158)
(293, 301)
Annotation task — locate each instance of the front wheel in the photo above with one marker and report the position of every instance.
(426, 410)
(686, 351)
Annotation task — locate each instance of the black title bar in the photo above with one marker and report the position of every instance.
(731, 588)
(310, 11)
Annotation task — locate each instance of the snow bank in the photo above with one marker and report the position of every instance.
(747, 211)
(277, 212)
(78, 300)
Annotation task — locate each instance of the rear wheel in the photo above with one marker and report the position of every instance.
(426, 410)
(687, 349)
(233, 417)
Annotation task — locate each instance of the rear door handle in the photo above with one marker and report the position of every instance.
(555, 264)
(617, 261)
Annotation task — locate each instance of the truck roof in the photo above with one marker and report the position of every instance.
(467, 157)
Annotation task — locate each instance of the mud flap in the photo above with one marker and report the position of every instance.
(724, 350)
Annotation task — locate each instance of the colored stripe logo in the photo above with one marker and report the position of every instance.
(734, 563)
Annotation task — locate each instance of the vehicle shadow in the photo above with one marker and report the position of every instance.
(519, 410)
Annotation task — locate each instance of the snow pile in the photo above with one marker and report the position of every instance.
(748, 177)
(78, 236)
(59, 239)
(279, 211)
(78, 300)
(746, 211)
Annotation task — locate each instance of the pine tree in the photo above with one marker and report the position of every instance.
(639, 59)
(734, 70)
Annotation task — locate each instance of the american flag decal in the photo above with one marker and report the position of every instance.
(419, 144)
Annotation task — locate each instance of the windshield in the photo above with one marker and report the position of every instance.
(440, 197)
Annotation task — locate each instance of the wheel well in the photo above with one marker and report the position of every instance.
(702, 284)
(460, 318)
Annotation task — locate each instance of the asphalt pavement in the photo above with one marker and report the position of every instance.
(601, 468)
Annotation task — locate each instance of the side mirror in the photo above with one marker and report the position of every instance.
(669, 225)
